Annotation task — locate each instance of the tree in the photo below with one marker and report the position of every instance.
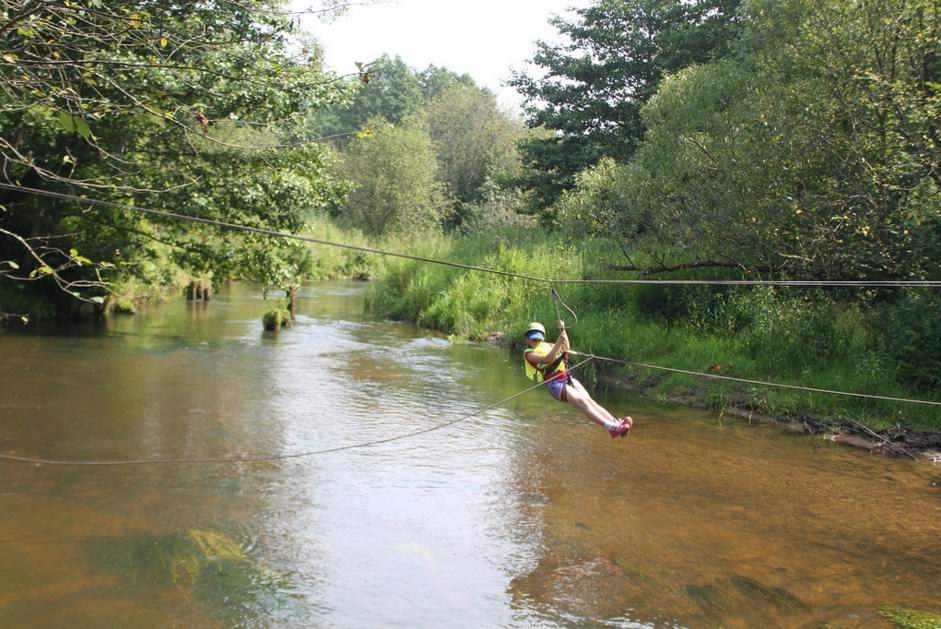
(394, 175)
(473, 140)
(154, 103)
(592, 88)
(435, 80)
(390, 89)
(805, 154)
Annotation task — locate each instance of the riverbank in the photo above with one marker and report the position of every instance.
(811, 338)
(896, 442)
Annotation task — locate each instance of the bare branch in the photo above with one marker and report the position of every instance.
(46, 267)
(704, 264)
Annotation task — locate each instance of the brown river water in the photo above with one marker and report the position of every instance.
(527, 516)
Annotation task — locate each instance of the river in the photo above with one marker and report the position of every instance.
(526, 516)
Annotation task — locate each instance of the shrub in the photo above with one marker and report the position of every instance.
(910, 332)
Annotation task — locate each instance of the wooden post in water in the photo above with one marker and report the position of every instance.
(292, 301)
(198, 290)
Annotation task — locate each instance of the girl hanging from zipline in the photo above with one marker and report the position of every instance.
(545, 362)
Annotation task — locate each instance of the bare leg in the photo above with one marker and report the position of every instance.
(598, 407)
(588, 406)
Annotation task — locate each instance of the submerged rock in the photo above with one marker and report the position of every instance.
(778, 597)
(173, 558)
(213, 566)
(230, 584)
(912, 618)
(633, 573)
(710, 600)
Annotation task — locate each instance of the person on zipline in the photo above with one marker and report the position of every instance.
(545, 362)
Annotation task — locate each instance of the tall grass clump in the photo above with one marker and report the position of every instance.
(332, 263)
(475, 305)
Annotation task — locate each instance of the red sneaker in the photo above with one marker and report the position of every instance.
(621, 429)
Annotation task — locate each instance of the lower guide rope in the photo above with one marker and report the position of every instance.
(283, 457)
(758, 382)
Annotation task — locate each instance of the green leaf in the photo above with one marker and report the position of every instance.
(78, 259)
(98, 299)
(67, 121)
(13, 265)
(81, 127)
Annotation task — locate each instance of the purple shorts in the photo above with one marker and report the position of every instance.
(557, 387)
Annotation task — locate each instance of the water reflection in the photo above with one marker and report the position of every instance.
(525, 516)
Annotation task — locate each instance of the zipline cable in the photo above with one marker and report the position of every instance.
(470, 267)
(758, 382)
(283, 457)
(551, 282)
(263, 231)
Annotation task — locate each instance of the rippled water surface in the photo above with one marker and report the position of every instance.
(526, 516)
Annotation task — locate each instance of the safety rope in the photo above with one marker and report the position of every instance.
(557, 300)
(470, 267)
(758, 382)
(283, 457)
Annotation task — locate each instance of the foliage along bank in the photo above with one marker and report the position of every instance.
(792, 336)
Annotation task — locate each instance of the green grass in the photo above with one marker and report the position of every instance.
(331, 263)
(276, 318)
(793, 338)
(334, 263)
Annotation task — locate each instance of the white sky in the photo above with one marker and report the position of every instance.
(484, 38)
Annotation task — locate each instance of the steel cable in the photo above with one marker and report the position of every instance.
(471, 267)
